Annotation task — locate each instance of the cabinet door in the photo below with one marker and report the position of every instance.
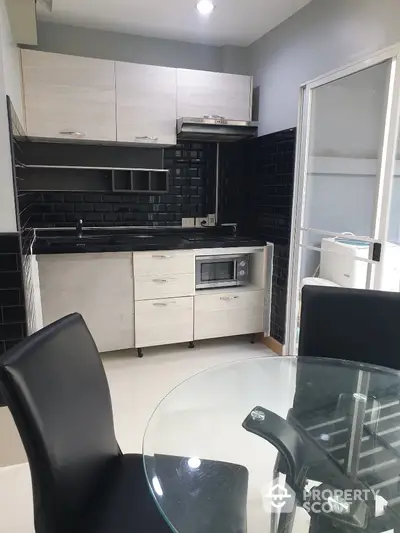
(146, 104)
(165, 321)
(99, 287)
(203, 93)
(228, 313)
(69, 97)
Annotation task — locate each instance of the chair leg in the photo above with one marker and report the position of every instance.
(274, 521)
(286, 521)
(275, 512)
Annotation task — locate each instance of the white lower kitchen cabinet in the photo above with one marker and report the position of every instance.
(163, 321)
(99, 286)
(164, 274)
(228, 313)
(164, 286)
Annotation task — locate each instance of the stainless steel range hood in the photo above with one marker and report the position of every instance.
(214, 128)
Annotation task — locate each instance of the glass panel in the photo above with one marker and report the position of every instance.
(346, 138)
(389, 271)
(346, 133)
(333, 262)
(221, 271)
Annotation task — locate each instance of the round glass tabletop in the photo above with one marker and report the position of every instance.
(278, 444)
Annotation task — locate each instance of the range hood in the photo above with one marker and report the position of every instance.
(214, 128)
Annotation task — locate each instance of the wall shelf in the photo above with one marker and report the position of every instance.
(140, 181)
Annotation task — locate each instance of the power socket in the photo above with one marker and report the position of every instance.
(202, 222)
(212, 220)
(188, 222)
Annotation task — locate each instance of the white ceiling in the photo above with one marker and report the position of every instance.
(233, 22)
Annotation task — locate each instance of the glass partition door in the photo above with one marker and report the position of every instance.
(344, 175)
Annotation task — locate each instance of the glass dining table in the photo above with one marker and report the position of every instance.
(278, 444)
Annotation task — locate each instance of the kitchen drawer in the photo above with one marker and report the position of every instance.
(160, 263)
(166, 321)
(163, 286)
(228, 313)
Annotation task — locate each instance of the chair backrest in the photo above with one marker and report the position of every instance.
(56, 389)
(353, 324)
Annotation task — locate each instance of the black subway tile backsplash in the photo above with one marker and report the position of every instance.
(12, 308)
(192, 176)
(256, 190)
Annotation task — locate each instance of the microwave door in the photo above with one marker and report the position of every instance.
(215, 271)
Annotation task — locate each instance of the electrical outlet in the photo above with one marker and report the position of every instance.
(212, 220)
(202, 222)
(188, 222)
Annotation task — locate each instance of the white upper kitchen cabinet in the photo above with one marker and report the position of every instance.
(69, 97)
(202, 93)
(146, 104)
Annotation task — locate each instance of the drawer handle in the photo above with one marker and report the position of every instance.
(160, 280)
(162, 304)
(145, 138)
(160, 256)
(74, 133)
(229, 298)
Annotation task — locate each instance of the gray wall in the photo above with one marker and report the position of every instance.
(324, 35)
(72, 40)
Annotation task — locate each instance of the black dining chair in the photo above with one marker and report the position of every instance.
(56, 389)
(355, 325)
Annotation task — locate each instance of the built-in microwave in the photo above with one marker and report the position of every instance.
(222, 271)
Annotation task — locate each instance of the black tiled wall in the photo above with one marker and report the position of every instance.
(12, 308)
(256, 189)
(192, 174)
(274, 174)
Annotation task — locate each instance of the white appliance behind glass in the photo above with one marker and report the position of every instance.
(339, 264)
(222, 271)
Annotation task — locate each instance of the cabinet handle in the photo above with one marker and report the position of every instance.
(229, 298)
(145, 137)
(160, 280)
(162, 304)
(74, 133)
(159, 256)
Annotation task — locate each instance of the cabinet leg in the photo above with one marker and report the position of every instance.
(140, 352)
(191, 344)
(253, 338)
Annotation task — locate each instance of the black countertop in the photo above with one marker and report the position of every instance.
(97, 240)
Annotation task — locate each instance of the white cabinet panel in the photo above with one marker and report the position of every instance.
(228, 313)
(160, 263)
(98, 286)
(146, 103)
(166, 321)
(69, 97)
(149, 287)
(203, 93)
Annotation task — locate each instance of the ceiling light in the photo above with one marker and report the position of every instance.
(205, 7)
